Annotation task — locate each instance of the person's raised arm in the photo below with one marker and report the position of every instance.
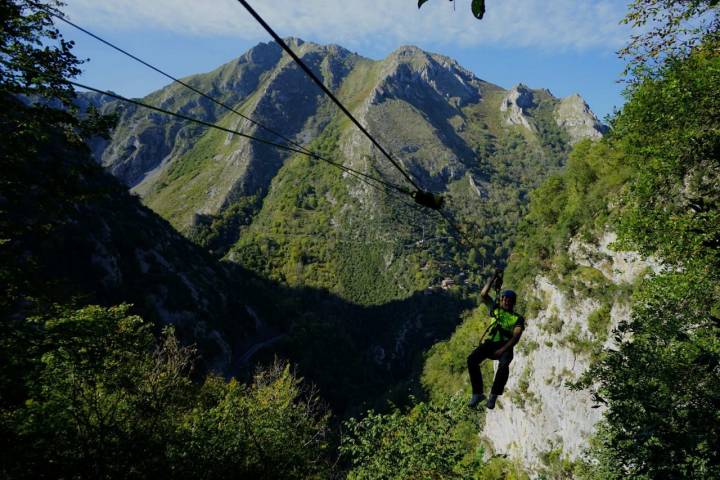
(485, 292)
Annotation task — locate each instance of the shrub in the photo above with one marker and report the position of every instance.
(427, 441)
(108, 401)
(599, 323)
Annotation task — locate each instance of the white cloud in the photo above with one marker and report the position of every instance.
(545, 24)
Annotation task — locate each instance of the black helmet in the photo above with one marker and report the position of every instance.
(509, 294)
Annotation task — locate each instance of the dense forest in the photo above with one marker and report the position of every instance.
(95, 383)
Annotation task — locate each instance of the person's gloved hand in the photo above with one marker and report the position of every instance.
(498, 279)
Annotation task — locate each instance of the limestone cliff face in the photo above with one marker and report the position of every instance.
(516, 104)
(409, 67)
(538, 413)
(416, 108)
(574, 115)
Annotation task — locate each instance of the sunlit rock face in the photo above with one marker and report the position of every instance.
(538, 412)
(516, 104)
(574, 115)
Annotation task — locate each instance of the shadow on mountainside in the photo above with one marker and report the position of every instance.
(359, 357)
(76, 237)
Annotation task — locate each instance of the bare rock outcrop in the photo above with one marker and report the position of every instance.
(574, 115)
(515, 105)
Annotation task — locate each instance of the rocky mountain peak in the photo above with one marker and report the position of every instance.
(410, 55)
(410, 72)
(296, 42)
(516, 103)
(302, 48)
(331, 62)
(261, 53)
(574, 115)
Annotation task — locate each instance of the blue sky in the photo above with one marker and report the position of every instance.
(566, 46)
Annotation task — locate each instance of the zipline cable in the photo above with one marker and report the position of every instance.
(61, 16)
(349, 170)
(327, 91)
(297, 147)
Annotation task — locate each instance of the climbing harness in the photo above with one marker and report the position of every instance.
(503, 324)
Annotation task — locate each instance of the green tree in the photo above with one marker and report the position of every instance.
(429, 441)
(669, 131)
(272, 428)
(108, 401)
(662, 387)
(668, 29)
(662, 379)
(35, 66)
(36, 59)
(104, 401)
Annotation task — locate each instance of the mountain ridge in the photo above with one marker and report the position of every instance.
(445, 125)
(270, 54)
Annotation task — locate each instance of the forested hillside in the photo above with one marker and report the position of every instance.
(361, 267)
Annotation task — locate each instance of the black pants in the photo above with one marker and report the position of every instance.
(487, 350)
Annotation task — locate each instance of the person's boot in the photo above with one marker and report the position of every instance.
(475, 399)
(491, 401)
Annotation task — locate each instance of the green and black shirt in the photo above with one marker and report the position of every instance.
(503, 322)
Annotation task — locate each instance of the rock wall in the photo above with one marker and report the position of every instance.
(574, 115)
(515, 104)
(538, 412)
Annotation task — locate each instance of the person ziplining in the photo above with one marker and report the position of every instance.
(504, 333)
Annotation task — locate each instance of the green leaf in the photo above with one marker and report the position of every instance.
(421, 2)
(478, 8)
